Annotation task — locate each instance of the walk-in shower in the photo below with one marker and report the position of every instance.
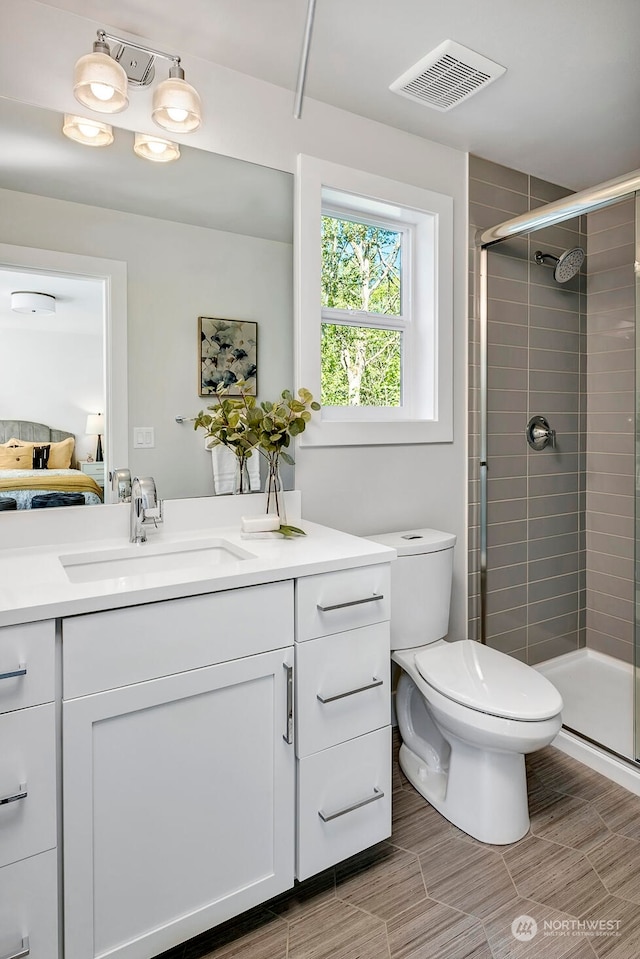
(552, 466)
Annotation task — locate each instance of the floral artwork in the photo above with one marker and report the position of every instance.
(228, 356)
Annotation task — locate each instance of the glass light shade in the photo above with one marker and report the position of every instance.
(155, 148)
(100, 83)
(176, 106)
(92, 133)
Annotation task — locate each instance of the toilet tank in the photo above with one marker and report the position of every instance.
(420, 585)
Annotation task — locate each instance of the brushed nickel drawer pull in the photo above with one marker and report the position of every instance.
(351, 602)
(288, 736)
(327, 817)
(20, 671)
(24, 951)
(351, 692)
(21, 794)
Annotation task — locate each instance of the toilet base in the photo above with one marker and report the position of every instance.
(498, 813)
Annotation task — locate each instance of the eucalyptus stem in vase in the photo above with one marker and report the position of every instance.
(228, 423)
(278, 423)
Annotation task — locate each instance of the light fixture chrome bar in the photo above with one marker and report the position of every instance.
(103, 35)
(304, 57)
(565, 209)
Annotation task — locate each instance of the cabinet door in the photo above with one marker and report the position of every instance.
(179, 805)
(29, 907)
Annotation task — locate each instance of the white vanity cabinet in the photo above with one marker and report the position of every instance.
(178, 767)
(28, 856)
(343, 731)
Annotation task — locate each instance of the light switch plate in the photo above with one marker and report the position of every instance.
(143, 438)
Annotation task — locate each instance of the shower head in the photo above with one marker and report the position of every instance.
(565, 266)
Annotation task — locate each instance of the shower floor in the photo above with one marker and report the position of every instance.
(598, 697)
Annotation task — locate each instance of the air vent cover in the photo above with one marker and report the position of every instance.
(448, 75)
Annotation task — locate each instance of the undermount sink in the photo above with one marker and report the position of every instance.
(142, 558)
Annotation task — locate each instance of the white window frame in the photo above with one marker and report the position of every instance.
(426, 415)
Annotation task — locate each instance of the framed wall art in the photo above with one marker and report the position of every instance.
(228, 353)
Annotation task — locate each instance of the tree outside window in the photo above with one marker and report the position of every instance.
(362, 310)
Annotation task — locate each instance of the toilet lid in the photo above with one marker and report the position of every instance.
(488, 681)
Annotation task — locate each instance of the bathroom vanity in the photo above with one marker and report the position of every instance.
(179, 745)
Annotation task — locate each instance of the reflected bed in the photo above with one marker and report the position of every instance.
(24, 445)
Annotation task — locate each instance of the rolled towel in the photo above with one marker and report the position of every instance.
(223, 462)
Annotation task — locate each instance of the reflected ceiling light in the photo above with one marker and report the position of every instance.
(101, 79)
(155, 148)
(99, 82)
(41, 304)
(92, 133)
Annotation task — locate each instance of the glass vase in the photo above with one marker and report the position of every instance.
(241, 483)
(274, 493)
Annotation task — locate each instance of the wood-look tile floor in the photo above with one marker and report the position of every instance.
(432, 892)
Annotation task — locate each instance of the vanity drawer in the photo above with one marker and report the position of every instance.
(120, 647)
(27, 765)
(29, 907)
(342, 687)
(344, 801)
(27, 676)
(333, 602)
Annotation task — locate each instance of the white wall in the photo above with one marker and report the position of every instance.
(361, 490)
(52, 377)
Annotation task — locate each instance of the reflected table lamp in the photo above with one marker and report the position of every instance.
(95, 427)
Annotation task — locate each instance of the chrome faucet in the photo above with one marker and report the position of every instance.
(146, 508)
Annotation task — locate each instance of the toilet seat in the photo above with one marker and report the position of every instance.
(485, 680)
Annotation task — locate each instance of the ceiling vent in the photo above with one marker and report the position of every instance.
(448, 75)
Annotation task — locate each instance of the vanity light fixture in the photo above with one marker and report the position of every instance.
(155, 148)
(91, 133)
(39, 304)
(101, 79)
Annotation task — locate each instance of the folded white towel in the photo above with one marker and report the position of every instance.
(223, 463)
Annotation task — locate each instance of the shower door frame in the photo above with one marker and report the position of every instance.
(585, 201)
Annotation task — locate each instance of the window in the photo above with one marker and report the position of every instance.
(373, 318)
(364, 310)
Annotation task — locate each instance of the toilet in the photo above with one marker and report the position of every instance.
(467, 714)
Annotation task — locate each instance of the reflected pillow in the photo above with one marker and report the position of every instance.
(15, 458)
(60, 454)
(41, 456)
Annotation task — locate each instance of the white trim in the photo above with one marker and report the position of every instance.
(433, 339)
(113, 275)
(618, 771)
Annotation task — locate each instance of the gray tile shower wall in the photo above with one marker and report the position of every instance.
(537, 365)
(610, 430)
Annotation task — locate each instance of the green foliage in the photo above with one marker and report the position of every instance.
(361, 366)
(361, 271)
(361, 267)
(231, 421)
(282, 420)
(238, 423)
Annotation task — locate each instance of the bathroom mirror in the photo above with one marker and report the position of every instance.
(207, 235)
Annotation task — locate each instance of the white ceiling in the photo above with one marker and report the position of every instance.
(79, 308)
(567, 109)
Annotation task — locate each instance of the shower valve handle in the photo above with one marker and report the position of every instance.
(539, 434)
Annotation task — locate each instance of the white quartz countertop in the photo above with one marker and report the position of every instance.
(34, 584)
